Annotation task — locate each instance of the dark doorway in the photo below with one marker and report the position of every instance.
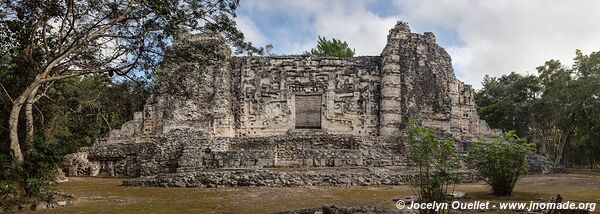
(308, 111)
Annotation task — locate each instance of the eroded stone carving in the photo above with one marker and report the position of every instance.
(222, 111)
(227, 96)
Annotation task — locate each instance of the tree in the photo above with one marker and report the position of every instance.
(56, 40)
(557, 109)
(584, 100)
(558, 85)
(500, 162)
(72, 114)
(505, 102)
(78, 111)
(333, 47)
(434, 161)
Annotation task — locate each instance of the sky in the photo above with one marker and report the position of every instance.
(492, 37)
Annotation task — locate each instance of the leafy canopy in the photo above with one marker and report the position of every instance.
(558, 109)
(64, 38)
(333, 47)
(505, 102)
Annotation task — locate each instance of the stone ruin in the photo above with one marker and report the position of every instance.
(223, 120)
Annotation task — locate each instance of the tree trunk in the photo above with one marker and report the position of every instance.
(563, 140)
(29, 123)
(13, 122)
(27, 146)
(543, 143)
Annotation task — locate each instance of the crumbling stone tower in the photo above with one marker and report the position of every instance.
(194, 88)
(391, 82)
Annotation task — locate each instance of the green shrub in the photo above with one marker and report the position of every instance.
(500, 162)
(434, 162)
(33, 180)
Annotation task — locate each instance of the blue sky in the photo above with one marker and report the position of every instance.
(492, 37)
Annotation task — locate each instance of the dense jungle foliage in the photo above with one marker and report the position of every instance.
(558, 109)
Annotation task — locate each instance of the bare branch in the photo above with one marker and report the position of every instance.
(84, 41)
(92, 100)
(7, 94)
(48, 86)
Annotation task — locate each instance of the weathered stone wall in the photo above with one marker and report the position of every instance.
(275, 178)
(216, 111)
(285, 178)
(106, 160)
(180, 152)
(421, 71)
(266, 89)
(193, 88)
(227, 96)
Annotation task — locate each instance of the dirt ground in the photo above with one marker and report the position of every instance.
(101, 195)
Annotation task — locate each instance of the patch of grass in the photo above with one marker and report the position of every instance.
(97, 195)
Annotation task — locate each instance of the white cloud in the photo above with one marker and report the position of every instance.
(504, 36)
(251, 31)
(496, 36)
(362, 29)
(346, 20)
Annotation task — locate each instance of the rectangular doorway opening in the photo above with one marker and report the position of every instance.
(308, 111)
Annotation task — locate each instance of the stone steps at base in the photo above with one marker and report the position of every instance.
(283, 178)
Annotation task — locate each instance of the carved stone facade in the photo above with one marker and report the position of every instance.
(223, 111)
(363, 96)
(277, 94)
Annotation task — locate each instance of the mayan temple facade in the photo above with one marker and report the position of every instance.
(223, 120)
